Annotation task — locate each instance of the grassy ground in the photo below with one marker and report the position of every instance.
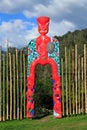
(47, 123)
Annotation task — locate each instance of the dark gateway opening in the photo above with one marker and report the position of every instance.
(43, 97)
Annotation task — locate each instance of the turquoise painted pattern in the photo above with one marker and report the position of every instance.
(32, 54)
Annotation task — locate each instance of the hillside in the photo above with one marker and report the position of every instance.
(78, 37)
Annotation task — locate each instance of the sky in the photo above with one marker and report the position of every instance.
(18, 19)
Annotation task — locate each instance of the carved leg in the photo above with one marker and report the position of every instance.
(29, 98)
(30, 90)
(57, 108)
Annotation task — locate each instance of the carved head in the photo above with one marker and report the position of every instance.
(43, 24)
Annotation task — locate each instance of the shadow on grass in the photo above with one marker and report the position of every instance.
(41, 116)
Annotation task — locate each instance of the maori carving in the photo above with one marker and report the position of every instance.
(43, 50)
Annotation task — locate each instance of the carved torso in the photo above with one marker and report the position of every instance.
(41, 46)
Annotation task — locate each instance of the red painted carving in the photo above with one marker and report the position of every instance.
(41, 47)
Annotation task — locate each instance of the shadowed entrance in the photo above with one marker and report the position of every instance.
(43, 97)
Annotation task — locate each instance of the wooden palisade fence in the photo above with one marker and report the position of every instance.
(74, 78)
(13, 83)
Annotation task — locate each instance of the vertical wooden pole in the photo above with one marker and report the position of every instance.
(73, 77)
(10, 86)
(69, 79)
(82, 88)
(24, 72)
(79, 85)
(62, 80)
(0, 88)
(76, 77)
(66, 83)
(17, 84)
(21, 75)
(85, 78)
(3, 87)
(14, 88)
(7, 85)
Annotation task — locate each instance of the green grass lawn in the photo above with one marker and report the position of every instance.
(47, 123)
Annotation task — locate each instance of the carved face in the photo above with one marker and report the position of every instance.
(43, 25)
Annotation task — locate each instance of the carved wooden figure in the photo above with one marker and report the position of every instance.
(43, 50)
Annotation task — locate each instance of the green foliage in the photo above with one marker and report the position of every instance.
(69, 40)
(43, 90)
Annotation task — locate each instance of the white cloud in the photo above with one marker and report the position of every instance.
(14, 6)
(39, 7)
(15, 31)
(60, 28)
(55, 8)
